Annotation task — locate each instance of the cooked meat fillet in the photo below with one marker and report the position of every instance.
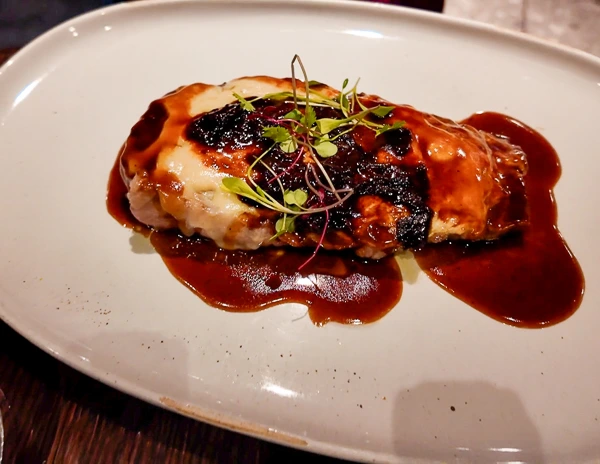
(430, 181)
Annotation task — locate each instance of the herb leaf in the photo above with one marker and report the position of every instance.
(325, 148)
(277, 134)
(295, 114)
(282, 136)
(309, 117)
(295, 197)
(326, 125)
(382, 111)
(245, 104)
(289, 146)
(344, 104)
(384, 128)
(285, 224)
(240, 187)
(278, 96)
(261, 192)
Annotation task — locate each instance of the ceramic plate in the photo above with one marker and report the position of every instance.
(434, 379)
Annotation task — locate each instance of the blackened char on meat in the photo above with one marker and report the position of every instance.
(355, 166)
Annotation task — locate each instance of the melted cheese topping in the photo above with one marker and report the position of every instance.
(198, 204)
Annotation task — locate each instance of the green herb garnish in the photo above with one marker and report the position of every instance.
(301, 134)
(245, 104)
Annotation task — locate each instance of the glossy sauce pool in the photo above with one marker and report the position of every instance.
(334, 287)
(530, 279)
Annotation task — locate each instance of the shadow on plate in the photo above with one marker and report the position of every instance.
(464, 422)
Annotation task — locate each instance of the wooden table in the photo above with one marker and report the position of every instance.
(54, 414)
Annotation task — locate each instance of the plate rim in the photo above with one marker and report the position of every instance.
(229, 421)
(358, 5)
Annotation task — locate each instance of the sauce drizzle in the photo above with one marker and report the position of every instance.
(336, 287)
(530, 279)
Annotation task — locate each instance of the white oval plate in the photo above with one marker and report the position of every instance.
(77, 285)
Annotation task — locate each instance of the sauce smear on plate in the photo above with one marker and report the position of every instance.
(529, 279)
(338, 288)
(335, 287)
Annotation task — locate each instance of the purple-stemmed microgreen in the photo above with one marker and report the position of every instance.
(321, 196)
(301, 133)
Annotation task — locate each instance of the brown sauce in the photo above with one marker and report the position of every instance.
(335, 287)
(116, 200)
(529, 279)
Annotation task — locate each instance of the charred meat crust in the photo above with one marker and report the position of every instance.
(403, 188)
(354, 166)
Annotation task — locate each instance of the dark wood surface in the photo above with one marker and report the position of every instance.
(54, 414)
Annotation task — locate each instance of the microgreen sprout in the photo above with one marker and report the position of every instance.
(300, 133)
